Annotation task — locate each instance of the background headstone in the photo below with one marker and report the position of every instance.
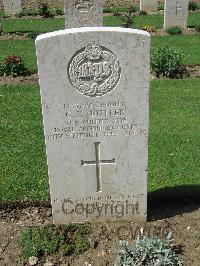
(148, 5)
(95, 99)
(83, 13)
(11, 7)
(176, 13)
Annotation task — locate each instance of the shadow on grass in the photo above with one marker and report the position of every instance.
(169, 202)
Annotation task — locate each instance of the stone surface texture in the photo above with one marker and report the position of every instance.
(95, 100)
(148, 5)
(11, 7)
(176, 13)
(83, 13)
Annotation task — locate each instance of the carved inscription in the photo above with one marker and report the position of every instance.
(94, 71)
(95, 120)
(83, 5)
(117, 205)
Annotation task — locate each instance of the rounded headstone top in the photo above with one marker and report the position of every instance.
(91, 29)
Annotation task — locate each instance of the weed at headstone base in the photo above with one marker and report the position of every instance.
(150, 251)
(176, 30)
(49, 240)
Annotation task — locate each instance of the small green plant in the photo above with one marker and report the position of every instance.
(128, 19)
(49, 240)
(132, 9)
(59, 11)
(44, 10)
(107, 9)
(149, 251)
(197, 28)
(176, 30)
(28, 12)
(142, 13)
(33, 12)
(167, 62)
(193, 5)
(13, 66)
(33, 35)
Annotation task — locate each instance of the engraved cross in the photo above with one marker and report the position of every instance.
(178, 8)
(98, 162)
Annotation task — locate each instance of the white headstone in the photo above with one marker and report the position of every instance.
(95, 99)
(148, 5)
(176, 13)
(11, 7)
(83, 13)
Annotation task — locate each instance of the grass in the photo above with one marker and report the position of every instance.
(34, 25)
(174, 133)
(173, 147)
(52, 24)
(23, 162)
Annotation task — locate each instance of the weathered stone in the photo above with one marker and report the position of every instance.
(33, 260)
(83, 13)
(11, 7)
(94, 88)
(176, 13)
(148, 5)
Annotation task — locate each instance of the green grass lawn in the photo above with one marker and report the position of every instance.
(22, 162)
(52, 24)
(173, 146)
(188, 45)
(34, 25)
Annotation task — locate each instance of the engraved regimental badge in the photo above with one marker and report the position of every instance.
(83, 5)
(94, 71)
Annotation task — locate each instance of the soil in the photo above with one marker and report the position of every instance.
(188, 31)
(19, 80)
(191, 71)
(182, 218)
(12, 36)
